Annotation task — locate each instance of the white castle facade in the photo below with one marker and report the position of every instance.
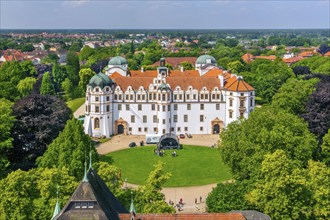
(200, 101)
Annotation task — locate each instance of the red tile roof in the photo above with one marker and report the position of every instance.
(237, 85)
(327, 54)
(191, 216)
(292, 60)
(306, 54)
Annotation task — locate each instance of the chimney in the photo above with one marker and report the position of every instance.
(142, 69)
(221, 78)
(182, 69)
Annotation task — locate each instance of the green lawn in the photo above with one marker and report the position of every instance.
(192, 167)
(75, 104)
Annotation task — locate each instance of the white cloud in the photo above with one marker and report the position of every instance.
(74, 3)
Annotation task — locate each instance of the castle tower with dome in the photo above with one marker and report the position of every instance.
(155, 102)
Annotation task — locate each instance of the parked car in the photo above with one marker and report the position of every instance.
(181, 136)
(132, 144)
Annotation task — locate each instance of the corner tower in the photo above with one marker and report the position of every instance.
(99, 106)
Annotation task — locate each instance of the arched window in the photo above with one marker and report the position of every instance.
(96, 123)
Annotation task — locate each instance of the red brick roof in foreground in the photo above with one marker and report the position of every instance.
(202, 216)
(237, 85)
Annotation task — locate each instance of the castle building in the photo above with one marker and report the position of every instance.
(156, 102)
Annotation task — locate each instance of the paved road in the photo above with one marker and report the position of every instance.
(188, 194)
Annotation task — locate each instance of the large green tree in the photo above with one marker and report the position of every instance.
(47, 86)
(69, 150)
(267, 78)
(293, 95)
(6, 123)
(72, 67)
(244, 143)
(32, 194)
(281, 193)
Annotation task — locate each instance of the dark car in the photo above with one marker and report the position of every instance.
(132, 144)
(181, 136)
(188, 135)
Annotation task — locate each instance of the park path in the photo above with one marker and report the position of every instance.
(188, 194)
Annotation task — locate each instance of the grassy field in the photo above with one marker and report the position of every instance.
(75, 104)
(192, 167)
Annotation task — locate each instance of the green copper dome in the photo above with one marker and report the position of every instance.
(118, 60)
(202, 59)
(163, 87)
(101, 80)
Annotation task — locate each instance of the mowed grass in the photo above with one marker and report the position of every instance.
(75, 104)
(193, 166)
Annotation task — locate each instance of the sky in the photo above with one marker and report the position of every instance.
(171, 14)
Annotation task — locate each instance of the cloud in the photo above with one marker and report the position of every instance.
(74, 3)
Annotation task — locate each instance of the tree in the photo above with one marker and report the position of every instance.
(72, 67)
(318, 182)
(86, 52)
(47, 86)
(282, 192)
(25, 86)
(236, 67)
(228, 196)
(69, 150)
(324, 68)
(324, 48)
(293, 95)
(6, 123)
(39, 119)
(149, 198)
(267, 77)
(111, 175)
(85, 75)
(32, 194)
(301, 70)
(318, 107)
(76, 46)
(325, 149)
(186, 65)
(59, 75)
(245, 142)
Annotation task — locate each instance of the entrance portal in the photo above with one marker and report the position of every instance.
(216, 129)
(120, 129)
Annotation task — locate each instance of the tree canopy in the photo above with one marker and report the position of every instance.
(39, 119)
(6, 123)
(244, 143)
(47, 86)
(69, 150)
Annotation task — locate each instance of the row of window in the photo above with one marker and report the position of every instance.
(156, 120)
(153, 107)
(84, 205)
(97, 108)
(165, 97)
(156, 129)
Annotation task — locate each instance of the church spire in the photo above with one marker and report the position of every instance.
(90, 157)
(132, 208)
(57, 206)
(85, 179)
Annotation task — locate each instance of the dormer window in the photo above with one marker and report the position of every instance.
(97, 90)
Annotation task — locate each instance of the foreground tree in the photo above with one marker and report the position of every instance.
(39, 119)
(266, 131)
(281, 193)
(69, 150)
(85, 75)
(228, 196)
(32, 194)
(149, 198)
(6, 122)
